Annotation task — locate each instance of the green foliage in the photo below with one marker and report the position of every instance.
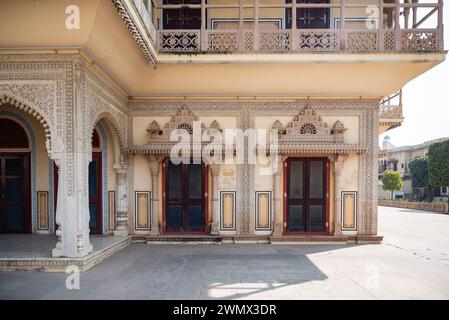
(392, 181)
(439, 164)
(419, 172)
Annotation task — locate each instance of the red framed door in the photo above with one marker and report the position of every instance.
(15, 193)
(305, 209)
(185, 202)
(95, 193)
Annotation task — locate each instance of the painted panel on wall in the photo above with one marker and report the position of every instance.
(349, 210)
(143, 210)
(263, 210)
(42, 210)
(227, 212)
(111, 206)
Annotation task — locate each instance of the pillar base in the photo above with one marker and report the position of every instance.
(154, 231)
(214, 230)
(277, 231)
(337, 229)
(121, 233)
(57, 252)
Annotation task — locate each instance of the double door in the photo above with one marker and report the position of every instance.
(185, 198)
(305, 195)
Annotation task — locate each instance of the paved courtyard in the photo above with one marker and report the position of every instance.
(412, 263)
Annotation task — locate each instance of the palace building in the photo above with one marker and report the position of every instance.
(91, 92)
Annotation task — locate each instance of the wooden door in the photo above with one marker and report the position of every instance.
(305, 204)
(15, 193)
(95, 194)
(185, 198)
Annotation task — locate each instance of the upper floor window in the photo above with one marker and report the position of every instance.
(309, 18)
(181, 18)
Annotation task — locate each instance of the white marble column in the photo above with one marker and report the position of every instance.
(72, 212)
(73, 189)
(154, 170)
(121, 201)
(338, 170)
(215, 227)
(58, 251)
(277, 193)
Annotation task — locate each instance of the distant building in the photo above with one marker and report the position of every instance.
(398, 159)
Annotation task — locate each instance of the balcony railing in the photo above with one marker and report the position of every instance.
(391, 107)
(384, 25)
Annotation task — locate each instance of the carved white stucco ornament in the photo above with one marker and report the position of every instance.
(307, 126)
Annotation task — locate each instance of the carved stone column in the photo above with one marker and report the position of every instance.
(121, 208)
(215, 170)
(154, 169)
(58, 251)
(277, 193)
(73, 189)
(338, 170)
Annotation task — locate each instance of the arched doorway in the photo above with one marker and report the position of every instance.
(15, 183)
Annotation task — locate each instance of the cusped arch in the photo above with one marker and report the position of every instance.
(114, 122)
(26, 107)
(114, 127)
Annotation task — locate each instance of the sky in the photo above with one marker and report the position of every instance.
(425, 103)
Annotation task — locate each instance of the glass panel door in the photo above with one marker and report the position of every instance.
(305, 195)
(95, 194)
(185, 201)
(295, 194)
(14, 194)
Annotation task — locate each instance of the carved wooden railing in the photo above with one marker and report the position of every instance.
(404, 32)
(391, 107)
(179, 41)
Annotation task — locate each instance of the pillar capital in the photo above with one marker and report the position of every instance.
(339, 163)
(215, 170)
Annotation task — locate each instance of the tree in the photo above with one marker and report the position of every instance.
(439, 164)
(392, 181)
(419, 172)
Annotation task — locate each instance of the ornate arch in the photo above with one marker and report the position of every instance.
(100, 109)
(24, 105)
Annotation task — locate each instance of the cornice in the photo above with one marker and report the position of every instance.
(135, 32)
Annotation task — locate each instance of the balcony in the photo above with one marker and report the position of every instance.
(265, 26)
(390, 112)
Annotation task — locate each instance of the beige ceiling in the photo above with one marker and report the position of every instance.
(26, 24)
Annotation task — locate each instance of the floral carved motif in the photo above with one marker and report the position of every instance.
(99, 108)
(307, 126)
(183, 120)
(38, 99)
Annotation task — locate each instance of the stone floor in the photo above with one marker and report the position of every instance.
(40, 245)
(412, 263)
